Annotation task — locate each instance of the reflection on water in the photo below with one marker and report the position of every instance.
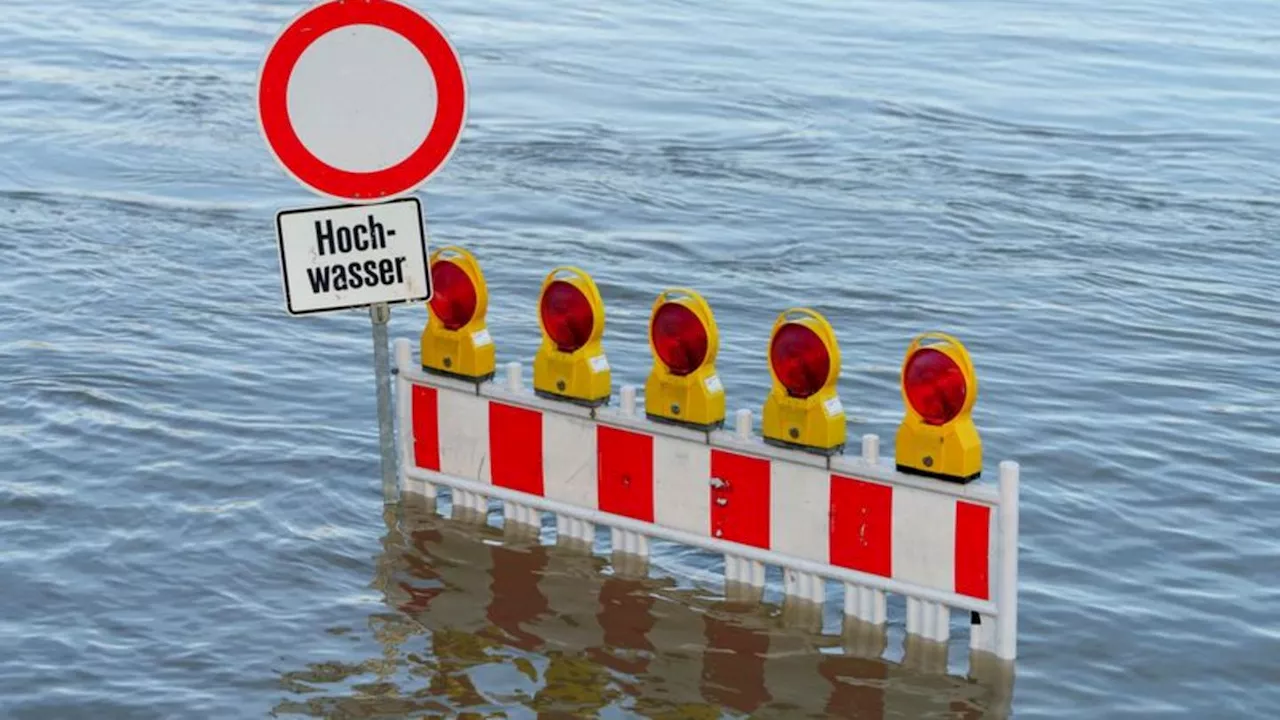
(489, 622)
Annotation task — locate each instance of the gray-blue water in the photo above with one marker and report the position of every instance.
(191, 523)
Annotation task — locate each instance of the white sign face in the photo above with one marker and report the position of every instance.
(371, 89)
(363, 116)
(350, 256)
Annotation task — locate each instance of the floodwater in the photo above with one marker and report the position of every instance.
(191, 521)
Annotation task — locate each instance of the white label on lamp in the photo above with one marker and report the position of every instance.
(713, 384)
(833, 407)
(480, 338)
(599, 364)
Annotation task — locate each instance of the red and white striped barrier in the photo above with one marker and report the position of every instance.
(854, 520)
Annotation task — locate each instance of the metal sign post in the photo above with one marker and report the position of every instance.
(380, 315)
(361, 102)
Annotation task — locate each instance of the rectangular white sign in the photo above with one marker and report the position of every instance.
(350, 256)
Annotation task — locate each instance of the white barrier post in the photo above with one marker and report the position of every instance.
(926, 620)
(514, 382)
(630, 550)
(634, 544)
(1007, 606)
(576, 533)
(512, 514)
(804, 596)
(745, 573)
(865, 604)
(517, 520)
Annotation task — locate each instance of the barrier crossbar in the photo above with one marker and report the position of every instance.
(852, 520)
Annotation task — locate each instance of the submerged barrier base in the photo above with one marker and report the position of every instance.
(684, 651)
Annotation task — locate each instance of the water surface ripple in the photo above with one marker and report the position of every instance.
(190, 518)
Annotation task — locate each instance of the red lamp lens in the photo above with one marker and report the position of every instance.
(453, 296)
(799, 359)
(935, 386)
(679, 338)
(567, 316)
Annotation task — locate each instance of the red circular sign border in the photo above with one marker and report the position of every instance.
(311, 171)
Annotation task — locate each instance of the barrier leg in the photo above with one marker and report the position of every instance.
(862, 639)
(743, 579)
(982, 633)
(804, 597)
(928, 620)
(865, 613)
(1007, 620)
(470, 507)
(924, 656)
(575, 533)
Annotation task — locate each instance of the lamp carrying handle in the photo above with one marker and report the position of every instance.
(793, 314)
(587, 283)
(920, 342)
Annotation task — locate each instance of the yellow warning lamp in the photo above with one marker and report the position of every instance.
(570, 364)
(683, 387)
(937, 437)
(455, 341)
(803, 410)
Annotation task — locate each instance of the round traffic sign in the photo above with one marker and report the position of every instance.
(361, 100)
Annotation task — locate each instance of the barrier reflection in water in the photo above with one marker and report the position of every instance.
(490, 620)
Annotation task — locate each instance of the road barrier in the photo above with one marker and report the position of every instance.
(919, 526)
